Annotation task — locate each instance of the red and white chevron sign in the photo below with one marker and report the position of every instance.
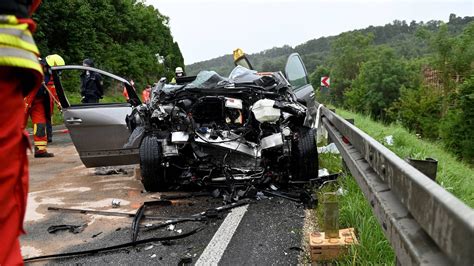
(325, 81)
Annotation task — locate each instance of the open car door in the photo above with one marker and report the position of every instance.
(296, 74)
(98, 130)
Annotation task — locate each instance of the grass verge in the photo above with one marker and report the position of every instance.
(453, 175)
(355, 211)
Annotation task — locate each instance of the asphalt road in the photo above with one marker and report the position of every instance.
(265, 232)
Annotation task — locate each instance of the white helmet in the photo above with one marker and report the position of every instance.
(178, 70)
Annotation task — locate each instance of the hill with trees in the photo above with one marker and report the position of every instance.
(399, 35)
(121, 36)
(419, 75)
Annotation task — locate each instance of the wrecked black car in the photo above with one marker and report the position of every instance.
(250, 128)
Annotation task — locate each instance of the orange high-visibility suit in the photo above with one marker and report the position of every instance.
(39, 105)
(20, 73)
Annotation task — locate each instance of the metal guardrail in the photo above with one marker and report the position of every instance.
(424, 223)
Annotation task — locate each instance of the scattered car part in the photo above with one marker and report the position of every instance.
(96, 235)
(115, 203)
(202, 216)
(175, 196)
(115, 247)
(71, 228)
(109, 171)
(106, 213)
(140, 213)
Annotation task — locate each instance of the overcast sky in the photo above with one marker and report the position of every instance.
(211, 28)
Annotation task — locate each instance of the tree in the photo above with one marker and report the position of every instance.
(378, 84)
(348, 52)
(121, 36)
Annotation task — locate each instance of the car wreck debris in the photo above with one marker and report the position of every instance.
(75, 229)
(233, 131)
(114, 247)
(140, 213)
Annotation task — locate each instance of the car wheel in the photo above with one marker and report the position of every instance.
(153, 173)
(305, 155)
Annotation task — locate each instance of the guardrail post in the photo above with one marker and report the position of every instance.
(429, 166)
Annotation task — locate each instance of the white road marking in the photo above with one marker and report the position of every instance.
(218, 244)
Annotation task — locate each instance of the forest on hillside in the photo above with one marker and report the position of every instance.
(122, 36)
(420, 75)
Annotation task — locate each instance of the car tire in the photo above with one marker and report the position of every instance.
(305, 155)
(153, 173)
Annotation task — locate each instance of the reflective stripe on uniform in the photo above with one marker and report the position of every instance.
(8, 19)
(19, 62)
(17, 47)
(16, 38)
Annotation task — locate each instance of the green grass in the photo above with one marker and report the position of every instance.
(354, 209)
(455, 176)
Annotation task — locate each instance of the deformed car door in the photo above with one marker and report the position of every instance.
(296, 74)
(99, 130)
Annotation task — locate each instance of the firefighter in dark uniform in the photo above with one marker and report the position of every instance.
(91, 84)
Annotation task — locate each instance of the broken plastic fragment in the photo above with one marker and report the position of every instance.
(171, 227)
(331, 148)
(179, 231)
(153, 256)
(148, 247)
(388, 140)
(341, 192)
(115, 203)
(323, 172)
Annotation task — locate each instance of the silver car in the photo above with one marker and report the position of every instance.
(250, 127)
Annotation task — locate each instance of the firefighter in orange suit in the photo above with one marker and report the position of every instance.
(20, 73)
(38, 106)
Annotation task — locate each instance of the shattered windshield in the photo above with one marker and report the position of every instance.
(208, 80)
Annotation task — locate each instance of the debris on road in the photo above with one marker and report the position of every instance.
(184, 195)
(153, 256)
(75, 229)
(148, 247)
(96, 235)
(110, 171)
(114, 247)
(185, 261)
(140, 213)
(115, 203)
(84, 211)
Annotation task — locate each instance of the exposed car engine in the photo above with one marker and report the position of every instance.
(248, 128)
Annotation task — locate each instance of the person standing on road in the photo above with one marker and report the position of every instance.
(91, 84)
(20, 74)
(38, 106)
